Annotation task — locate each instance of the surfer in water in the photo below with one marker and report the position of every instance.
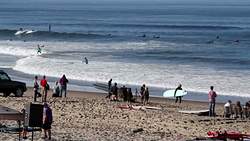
(39, 49)
(86, 60)
(237, 41)
(178, 97)
(49, 27)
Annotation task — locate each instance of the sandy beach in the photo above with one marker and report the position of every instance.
(160, 43)
(90, 116)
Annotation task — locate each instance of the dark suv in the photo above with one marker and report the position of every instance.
(7, 86)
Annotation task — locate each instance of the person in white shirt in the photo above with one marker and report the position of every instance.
(228, 109)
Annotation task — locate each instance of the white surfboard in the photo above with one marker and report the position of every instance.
(19, 32)
(30, 31)
(197, 112)
(152, 108)
(170, 93)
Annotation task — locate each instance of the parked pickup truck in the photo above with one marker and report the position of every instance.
(7, 86)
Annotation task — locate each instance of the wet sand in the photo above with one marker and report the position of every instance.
(90, 116)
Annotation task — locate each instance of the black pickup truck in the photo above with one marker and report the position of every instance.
(7, 86)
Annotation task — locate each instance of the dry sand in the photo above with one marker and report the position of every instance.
(90, 116)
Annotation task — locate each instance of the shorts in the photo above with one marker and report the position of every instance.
(47, 126)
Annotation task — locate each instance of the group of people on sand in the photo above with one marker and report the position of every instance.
(126, 93)
(59, 89)
(44, 88)
(230, 110)
(236, 110)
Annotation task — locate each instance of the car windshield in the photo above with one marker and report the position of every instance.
(4, 76)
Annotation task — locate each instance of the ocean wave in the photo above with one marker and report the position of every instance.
(107, 33)
(156, 75)
(51, 35)
(19, 48)
(168, 26)
(186, 27)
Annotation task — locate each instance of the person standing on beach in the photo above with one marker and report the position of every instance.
(178, 97)
(63, 83)
(211, 98)
(44, 86)
(146, 98)
(238, 110)
(36, 87)
(114, 92)
(109, 84)
(124, 93)
(142, 92)
(130, 95)
(47, 121)
(136, 94)
(109, 88)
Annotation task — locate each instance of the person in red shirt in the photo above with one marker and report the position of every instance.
(211, 98)
(44, 84)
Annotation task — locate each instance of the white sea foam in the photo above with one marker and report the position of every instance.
(100, 68)
(18, 48)
(193, 79)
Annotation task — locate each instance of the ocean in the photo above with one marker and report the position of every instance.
(160, 44)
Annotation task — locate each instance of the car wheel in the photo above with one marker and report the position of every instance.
(5, 94)
(19, 92)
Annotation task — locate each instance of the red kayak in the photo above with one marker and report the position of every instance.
(233, 135)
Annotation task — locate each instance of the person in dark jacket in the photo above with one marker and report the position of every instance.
(178, 97)
(109, 88)
(124, 93)
(130, 95)
(142, 92)
(114, 92)
(146, 98)
(63, 86)
(36, 87)
(47, 121)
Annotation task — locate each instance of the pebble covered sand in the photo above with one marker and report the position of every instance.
(90, 116)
